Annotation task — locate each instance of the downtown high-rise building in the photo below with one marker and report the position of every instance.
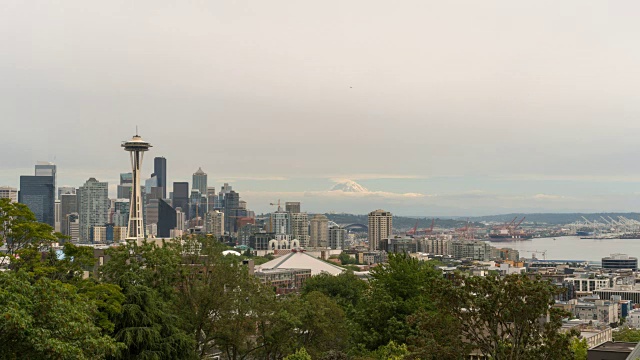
(38, 193)
(167, 219)
(181, 197)
(319, 231)
(93, 206)
(44, 168)
(380, 227)
(124, 188)
(200, 181)
(160, 170)
(7, 192)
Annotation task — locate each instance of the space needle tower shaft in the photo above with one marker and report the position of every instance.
(136, 148)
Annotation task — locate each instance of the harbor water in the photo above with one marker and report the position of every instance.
(572, 248)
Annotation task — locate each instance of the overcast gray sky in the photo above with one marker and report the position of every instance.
(436, 107)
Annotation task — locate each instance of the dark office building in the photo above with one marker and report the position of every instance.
(620, 261)
(39, 194)
(68, 205)
(181, 197)
(166, 219)
(260, 241)
(231, 203)
(160, 169)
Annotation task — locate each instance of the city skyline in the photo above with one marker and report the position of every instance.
(434, 107)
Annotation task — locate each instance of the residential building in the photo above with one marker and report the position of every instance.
(337, 237)
(292, 207)
(300, 227)
(399, 245)
(380, 227)
(7, 192)
(38, 193)
(279, 223)
(94, 206)
(435, 245)
(72, 230)
(319, 231)
(214, 223)
(471, 249)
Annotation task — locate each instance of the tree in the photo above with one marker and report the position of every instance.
(19, 229)
(627, 335)
(300, 354)
(346, 288)
(323, 325)
(45, 319)
(149, 325)
(398, 289)
(579, 348)
(509, 317)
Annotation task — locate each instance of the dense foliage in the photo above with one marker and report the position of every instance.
(186, 300)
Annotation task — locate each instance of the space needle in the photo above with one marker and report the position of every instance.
(136, 148)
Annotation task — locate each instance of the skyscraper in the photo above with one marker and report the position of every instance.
(380, 226)
(38, 193)
(136, 148)
(231, 204)
(166, 219)
(319, 234)
(44, 168)
(181, 197)
(94, 206)
(200, 181)
(124, 189)
(160, 169)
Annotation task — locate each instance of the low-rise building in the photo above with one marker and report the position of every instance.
(284, 281)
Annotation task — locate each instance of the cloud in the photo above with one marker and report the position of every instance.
(547, 197)
(342, 178)
(232, 179)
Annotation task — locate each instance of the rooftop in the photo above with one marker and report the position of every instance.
(301, 260)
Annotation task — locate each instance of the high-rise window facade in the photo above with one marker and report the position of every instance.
(38, 193)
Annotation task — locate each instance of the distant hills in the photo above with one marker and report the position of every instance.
(555, 219)
(407, 222)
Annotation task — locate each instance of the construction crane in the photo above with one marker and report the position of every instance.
(278, 205)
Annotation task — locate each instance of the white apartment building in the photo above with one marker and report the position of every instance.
(7, 192)
(380, 227)
(214, 223)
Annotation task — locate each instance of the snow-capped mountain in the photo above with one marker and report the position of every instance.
(349, 186)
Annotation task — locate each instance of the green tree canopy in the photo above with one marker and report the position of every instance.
(45, 319)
